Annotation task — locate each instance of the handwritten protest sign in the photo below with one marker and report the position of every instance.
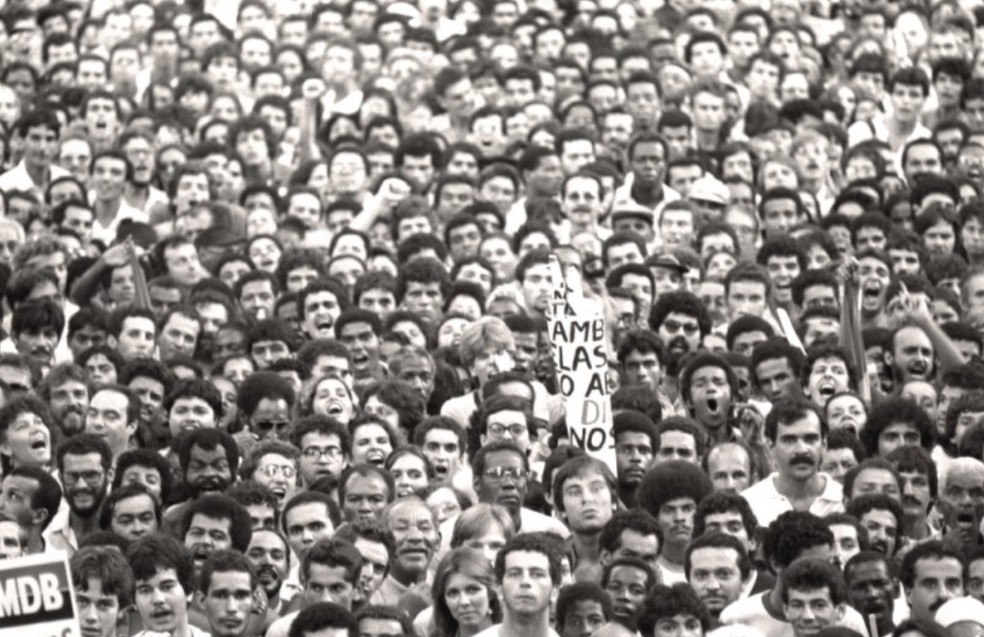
(576, 326)
(36, 597)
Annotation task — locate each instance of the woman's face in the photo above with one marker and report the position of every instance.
(467, 599)
(409, 473)
(444, 504)
(490, 543)
(972, 237)
(371, 444)
(332, 398)
(265, 255)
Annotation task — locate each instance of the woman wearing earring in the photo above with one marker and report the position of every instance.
(464, 600)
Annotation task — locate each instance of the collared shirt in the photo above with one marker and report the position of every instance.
(768, 504)
(17, 178)
(107, 233)
(60, 536)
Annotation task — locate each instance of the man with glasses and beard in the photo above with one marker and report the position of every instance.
(209, 459)
(84, 462)
(681, 322)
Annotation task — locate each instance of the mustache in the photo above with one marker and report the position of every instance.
(803, 459)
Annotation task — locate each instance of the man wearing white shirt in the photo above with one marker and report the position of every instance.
(797, 434)
(110, 172)
(39, 131)
(794, 538)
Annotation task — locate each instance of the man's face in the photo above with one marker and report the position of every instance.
(134, 517)
(363, 346)
(16, 498)
(710, 397)
(962, 503)
(415, 537)
(424, 298)
(107, 417)
(365, 497)
(98, 611)
(798, 447)
(208, 471)
(102, 123)
(810, 611)
(587, 502)
(179, 336)
(627, 589)
(68, 404)
(936, 582)
(746, 298)
(912, 355)
(677, 228)
(837, 462)
(882, 527)
(330, 460)
(680, 334)
(86, 483)
(527, 587)
(729, 469)
(582, 619)
(715, 577)
(162, 602)
(676, 518)
(306, 524)
(228, 602)
(269, 556)
(205, 535)
(872, 589)
(776, 379)
(922, 158)
(634, 456)
(642, 368)
(504, 480)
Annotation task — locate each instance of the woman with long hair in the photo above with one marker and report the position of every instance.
(464, 599)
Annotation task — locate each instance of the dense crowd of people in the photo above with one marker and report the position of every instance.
(276, 356)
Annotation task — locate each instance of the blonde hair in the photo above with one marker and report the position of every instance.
(476, 520)
(484, 334)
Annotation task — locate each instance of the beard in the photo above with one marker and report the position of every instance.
(72, 421)
(676, 351)
(97, 498)
(211, 484)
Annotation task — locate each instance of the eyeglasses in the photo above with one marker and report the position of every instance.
(515, 431)
(315, 453)
(268, 425)
(495, 474)
(273, 470)
(673, 326)
(90, 477)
